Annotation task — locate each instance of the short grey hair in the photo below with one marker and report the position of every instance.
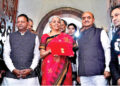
(50, 19)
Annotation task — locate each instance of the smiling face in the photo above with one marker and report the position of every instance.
(55, 23)
(115, 16)
(87, 19)
(71, 30)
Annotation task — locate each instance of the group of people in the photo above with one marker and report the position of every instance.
(89, 59)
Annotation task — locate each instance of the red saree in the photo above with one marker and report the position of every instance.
(56, 70)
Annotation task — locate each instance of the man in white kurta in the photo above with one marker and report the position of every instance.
(18, 48)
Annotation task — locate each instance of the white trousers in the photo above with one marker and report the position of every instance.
(98, 80)
(20, 82)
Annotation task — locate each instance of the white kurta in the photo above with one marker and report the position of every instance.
(20, 82)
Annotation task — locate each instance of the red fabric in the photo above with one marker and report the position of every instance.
(52, 66)
(62, 48)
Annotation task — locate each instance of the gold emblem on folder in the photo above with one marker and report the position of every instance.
(62, 50)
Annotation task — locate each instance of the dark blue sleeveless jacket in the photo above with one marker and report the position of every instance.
(22, 49)
(91, 59)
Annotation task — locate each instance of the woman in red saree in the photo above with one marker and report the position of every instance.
(56, 70)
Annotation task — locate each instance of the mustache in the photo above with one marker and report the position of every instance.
(86, 21)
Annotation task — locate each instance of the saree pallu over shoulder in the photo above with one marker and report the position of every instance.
(56, 70)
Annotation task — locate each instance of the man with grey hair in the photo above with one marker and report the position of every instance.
(93, 53)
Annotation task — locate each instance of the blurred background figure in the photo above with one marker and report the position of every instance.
(115, 46)
(63, 26)
(71, 30)
(30, 25)
(3, 67)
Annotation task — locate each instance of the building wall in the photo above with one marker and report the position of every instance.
(37, 9)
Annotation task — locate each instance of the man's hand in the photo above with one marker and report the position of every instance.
(118, 82)
(1, 73)
(17, 73)
(25, 72)
(78, 79)
(107, 74)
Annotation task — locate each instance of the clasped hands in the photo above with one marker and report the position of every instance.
(22, 73)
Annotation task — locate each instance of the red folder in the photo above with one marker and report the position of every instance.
(62, 48)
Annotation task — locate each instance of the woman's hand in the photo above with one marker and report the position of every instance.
(44, 53)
